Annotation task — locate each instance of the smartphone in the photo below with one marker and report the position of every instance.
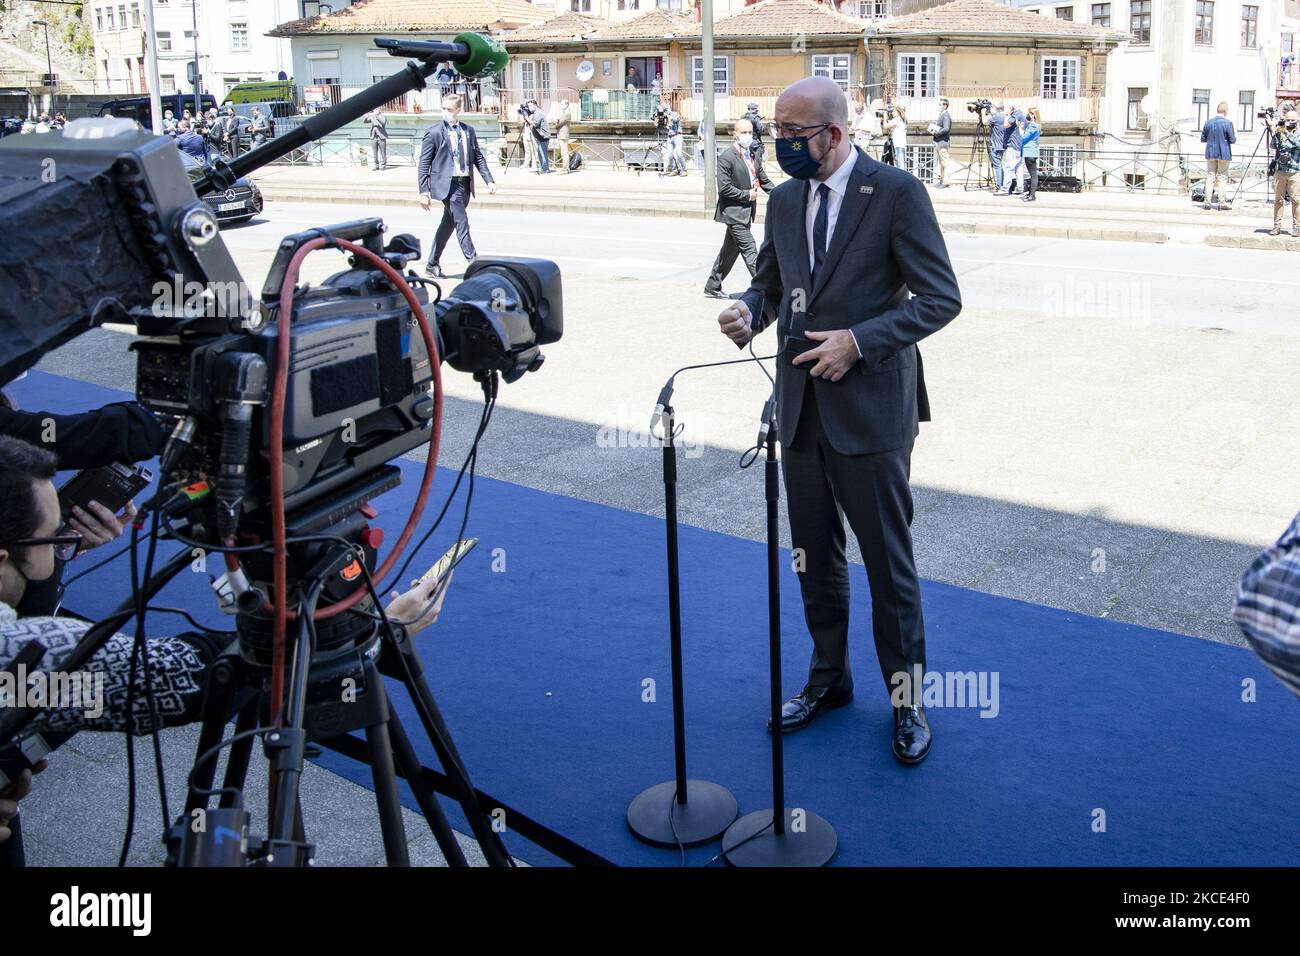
(454, 556)
(111, 485)
(442, 572)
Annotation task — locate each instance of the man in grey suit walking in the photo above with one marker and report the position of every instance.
(449, 154)
(853, 271)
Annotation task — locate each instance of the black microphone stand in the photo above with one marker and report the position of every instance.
(780, 835)
(663, 815)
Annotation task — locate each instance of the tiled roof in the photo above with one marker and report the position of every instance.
(792, 18)
(426, 16)
(989, 17)
(652, 25)
(567, 26)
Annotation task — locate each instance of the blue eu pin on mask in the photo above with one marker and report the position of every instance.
(794, 157)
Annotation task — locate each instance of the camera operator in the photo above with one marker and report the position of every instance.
(120, 432)
(535, 122)
(1286, 149)
(29, 548)
(676, 150)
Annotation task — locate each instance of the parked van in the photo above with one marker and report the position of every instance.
(260, 92)
(137, 107)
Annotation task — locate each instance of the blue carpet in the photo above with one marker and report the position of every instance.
(539, 668)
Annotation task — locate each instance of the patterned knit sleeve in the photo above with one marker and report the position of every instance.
(1268, 606)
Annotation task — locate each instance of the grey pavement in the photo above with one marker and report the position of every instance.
(1113, 435)
(1111, 215)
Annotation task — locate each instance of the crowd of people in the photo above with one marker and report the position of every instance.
(212, 133)
(44, 123)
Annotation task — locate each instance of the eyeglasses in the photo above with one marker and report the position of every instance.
(66, 546)
(786, 131)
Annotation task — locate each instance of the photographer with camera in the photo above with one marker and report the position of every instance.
(535, 126)
(676, 150)
(1285, 140)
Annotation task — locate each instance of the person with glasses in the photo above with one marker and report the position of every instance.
(853, 272)
(30, 544)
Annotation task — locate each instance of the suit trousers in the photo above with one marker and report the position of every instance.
(454, 216)
(823, 487)
(738, 241)
(1286, 184)
(379, 155)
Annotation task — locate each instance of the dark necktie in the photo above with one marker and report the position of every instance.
(819, 230)
(460, 148)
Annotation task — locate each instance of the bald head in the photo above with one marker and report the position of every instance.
(818, 106)
(818, 97)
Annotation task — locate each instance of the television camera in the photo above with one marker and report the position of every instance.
(287, 410)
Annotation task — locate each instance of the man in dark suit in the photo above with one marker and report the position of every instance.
(740, 176)
(853, 271)
(448, 157)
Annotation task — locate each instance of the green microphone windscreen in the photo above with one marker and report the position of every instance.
(486, 56)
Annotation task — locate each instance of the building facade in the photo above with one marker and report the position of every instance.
(1181, 60)
(229, 38)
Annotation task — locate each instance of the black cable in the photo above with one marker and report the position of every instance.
(752, 836)
(489, 404)
(95, 567)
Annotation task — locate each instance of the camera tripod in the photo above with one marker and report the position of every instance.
(335, 687)
(979, 155)
(1264, 136)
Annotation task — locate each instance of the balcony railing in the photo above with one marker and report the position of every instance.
(1081, 106)
(479, 97)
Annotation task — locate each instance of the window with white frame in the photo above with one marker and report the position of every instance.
(1137, 116)
(164, 41)
(721, 74)
(535, 79)
(168, 82)
(870, 9)
(1139, 21)
(580, 6)
(1065, 13)
(1201, 103)
(1060, 78)
(1101, 14)
(918, 75)
(835, 66)
(1057, 160)
(239, 36)
(1246, 119)
(99, 20)
(109, 11)
(1204, 32)
(135, 16)
(1249, 27)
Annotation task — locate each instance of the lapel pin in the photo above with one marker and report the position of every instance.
(866, 189)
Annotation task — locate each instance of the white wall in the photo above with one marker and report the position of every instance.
(1173, 66)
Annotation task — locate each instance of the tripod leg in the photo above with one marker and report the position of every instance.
(237, 764)
(411, 770)
(385, 779)
(218, 702)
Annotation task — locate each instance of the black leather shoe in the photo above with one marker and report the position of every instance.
(912, 737)
(800, 711)
(715, 294)
(434, 271)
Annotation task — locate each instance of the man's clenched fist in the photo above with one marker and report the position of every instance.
(736, 322)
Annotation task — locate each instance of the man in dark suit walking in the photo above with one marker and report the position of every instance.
(449, 155)
(853, 271)
(740, 176)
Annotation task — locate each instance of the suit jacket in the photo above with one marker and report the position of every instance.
(886, 278)
(437, 163)
(1218, 137)
(734, 184)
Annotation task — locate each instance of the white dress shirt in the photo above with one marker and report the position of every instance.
(457, 140)
(837, 182)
